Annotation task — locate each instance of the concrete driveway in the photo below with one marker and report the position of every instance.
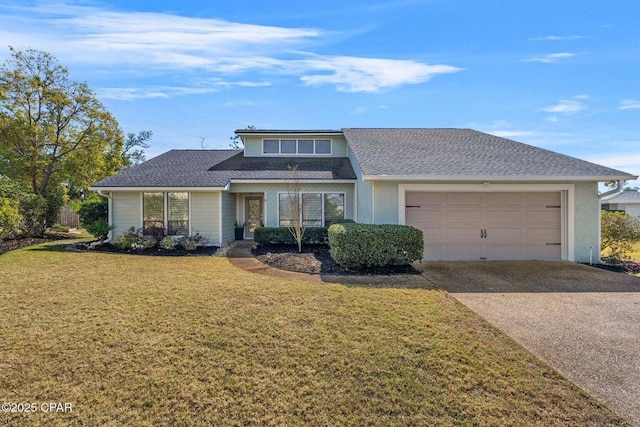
(583, 321)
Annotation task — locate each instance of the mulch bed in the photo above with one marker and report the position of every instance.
(315, 259)
(10, 245)
(178, 251)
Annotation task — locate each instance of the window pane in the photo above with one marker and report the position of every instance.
(288, 209)
(333, 207)
(305, 146)
(152, 212)
(288, 146)
(271, 146)
(312, 209)
(323, 146)
(178, 213)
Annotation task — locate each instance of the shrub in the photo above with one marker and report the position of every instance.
(10, 218)
(192, 241)
(135, 239)
(358, 246)
(619, 231)
(100, 229)
(91, 212)
(167, 243)
(282, 236)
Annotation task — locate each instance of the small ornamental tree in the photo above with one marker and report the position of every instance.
(619, 231)
(294, 207)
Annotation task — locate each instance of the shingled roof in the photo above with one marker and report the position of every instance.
(441, 154)
(216, 168)
(624, 197)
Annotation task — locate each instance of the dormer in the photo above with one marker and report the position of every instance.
(293, 143)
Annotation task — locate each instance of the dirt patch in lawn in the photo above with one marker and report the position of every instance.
(316, 259)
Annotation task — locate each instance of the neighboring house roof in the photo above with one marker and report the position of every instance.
(622, 198)
(441, 154)
(216, 168)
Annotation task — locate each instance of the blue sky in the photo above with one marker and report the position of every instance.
(562, 75)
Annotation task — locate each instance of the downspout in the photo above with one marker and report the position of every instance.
(109, 197)
(617, 189)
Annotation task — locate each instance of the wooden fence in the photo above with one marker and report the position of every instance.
(69, 218)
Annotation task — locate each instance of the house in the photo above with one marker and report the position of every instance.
(474, 195)
(628, 201)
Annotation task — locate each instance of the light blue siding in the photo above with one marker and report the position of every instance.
(228, 217)
(253, 145)
(587, 217)
(205, 214)
(271, 191)
(385, 206)
(126, 211)
(364, 192)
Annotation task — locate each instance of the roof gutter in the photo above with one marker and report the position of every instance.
(617, 189)
(109, 197)
(490, 178)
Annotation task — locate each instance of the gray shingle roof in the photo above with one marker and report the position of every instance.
(456, 153)
(624, 197)
(215, 168)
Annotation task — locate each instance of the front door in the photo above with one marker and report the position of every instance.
(252, 215)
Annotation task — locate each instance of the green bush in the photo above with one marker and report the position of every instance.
(10, 218)
(358, 246)
(282, 236)
(100, 229)
(91, 212)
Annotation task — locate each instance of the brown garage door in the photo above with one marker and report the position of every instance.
(493, 226)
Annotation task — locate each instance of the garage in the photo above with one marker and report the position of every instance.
(464, 226)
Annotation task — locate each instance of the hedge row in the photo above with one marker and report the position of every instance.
(359, 246)
(282, 236)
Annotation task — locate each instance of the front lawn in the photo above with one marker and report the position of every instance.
(135, 340)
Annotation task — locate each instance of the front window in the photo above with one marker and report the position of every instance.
(178, 213)
(165, 211)
(153, 213)
(292, 147)
(333, 207)
(311, 209)
(289, 209)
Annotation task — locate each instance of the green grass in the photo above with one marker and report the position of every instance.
(132, 340)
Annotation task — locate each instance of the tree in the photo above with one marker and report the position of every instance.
(619, 231)
(53, 131)
(236, 140)
(294, 207)
(134, 145)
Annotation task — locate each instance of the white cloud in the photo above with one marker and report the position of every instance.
(557, 38)
(162, 43)
(551, 58)
(565, 106)
(629, 104)
(148, 92)
(352, 74)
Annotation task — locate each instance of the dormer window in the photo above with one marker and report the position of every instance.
(292, 147)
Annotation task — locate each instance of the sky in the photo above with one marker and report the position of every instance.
(557, 74)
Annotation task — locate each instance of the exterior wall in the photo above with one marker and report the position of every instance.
(385, 203)
(253, 145)
(205, 214)
(271, 196)
(587, 221)
(228, 217)
(126, 211)
(364, 190)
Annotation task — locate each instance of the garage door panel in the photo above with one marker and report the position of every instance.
(507, 216)
(518, 225)
(462, 252)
